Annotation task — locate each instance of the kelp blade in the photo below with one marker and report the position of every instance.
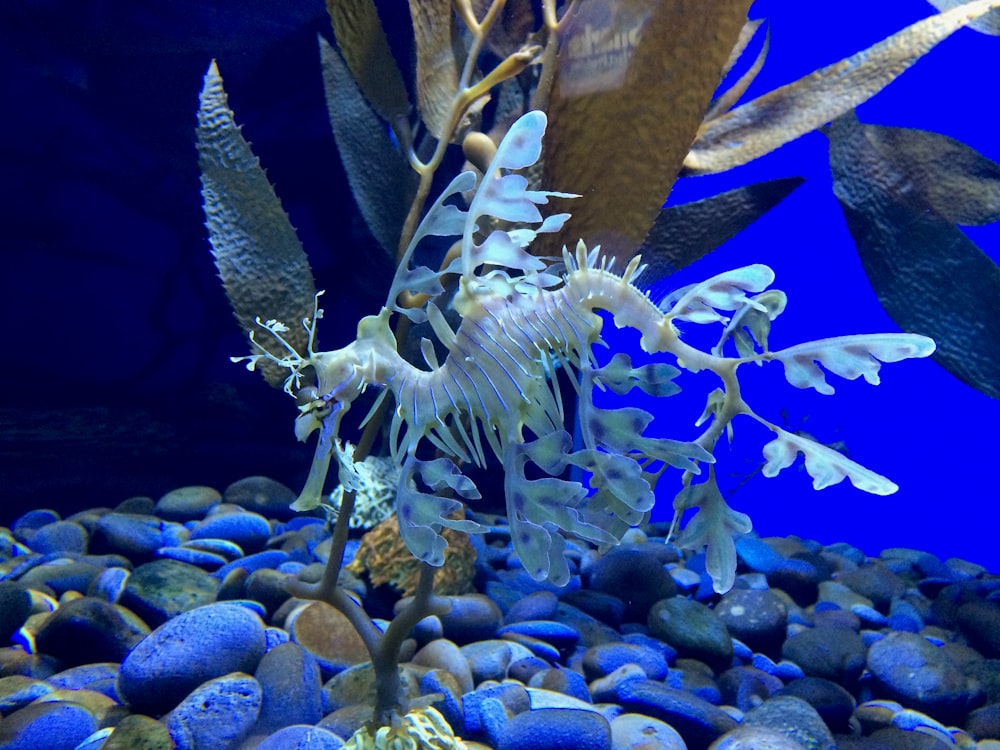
(634, 80)
(928, 275)
(262, 264)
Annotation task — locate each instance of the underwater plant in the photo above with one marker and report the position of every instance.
(514, 306)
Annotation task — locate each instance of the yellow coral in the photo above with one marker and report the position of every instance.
(420, 729)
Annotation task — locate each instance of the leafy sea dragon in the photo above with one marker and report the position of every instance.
(522, 317)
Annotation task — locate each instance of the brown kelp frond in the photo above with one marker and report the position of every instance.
(772, 120)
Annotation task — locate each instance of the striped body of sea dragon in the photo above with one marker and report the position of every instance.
(522, 317)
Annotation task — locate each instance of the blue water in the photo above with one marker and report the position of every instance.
(921, 427)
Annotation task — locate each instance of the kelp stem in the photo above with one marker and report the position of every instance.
(385, 659)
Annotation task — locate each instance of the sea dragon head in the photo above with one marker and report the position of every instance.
(325, 384)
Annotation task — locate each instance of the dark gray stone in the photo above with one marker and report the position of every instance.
(909, 669)
(15, 606)
(261, 495)
(637, 576)
(747, 687)
(159, 590)
(832, 702)
(87, 631)
(794, 718)
(291, 692)
(756, 617)
(187, 503)
(835, 654)
(694, 630)
(65, 537)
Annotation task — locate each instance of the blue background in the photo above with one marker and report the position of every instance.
(921, 427)
(115, 377)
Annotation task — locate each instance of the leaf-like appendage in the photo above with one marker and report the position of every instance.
(422, 515)
(725, 291)
(826, 466)
(550, 452)
(849, 357)
(311, 495)
(538, 509)
(503, 249)
(522, 144)
(499, 195)
(442, 219)
(751, 325)
(506, 197)
(262, 264)
(620, 475)
(656, 379)
(712, 527)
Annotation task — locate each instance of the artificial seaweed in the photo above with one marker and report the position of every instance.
(928, 275)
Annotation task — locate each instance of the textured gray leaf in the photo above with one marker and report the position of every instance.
(260, 260)
(382, 182)
(928, 275)
(684, 233)
(938, 173)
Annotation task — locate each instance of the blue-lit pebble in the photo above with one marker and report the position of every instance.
(216, 713)
(541, 605)
(25, 526)
(302, 737)
(472, 617)
(205, 560)
(221, 547)
(53, 726)
(248, 530)
(564, 681)
(268, 559)
(489, 709)
(195, 646)
(695, 719)
(635, 731)
(562, 637)
(605, 658)
(60, 536)
(547, 728)
(133, 535)
(290, 685)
